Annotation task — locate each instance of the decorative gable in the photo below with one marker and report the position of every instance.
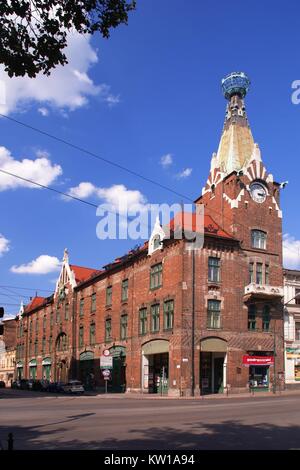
(157, 236)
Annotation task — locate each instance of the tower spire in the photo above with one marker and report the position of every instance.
(236, 144)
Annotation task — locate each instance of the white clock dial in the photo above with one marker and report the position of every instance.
(258, 192)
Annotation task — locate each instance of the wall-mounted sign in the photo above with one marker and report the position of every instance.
(106, 362)
(258, 360)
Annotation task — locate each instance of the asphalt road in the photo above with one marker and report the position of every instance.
(41, 421)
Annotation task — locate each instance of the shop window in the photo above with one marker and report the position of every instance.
(214, 314)
(258, 239)
(154, 318)
(143, 321)
(124, 326)
(214, 269)
(251, 317)
(168, 314)
(108, 329)
(108, 296)
(266, 318)
(156, 276)
(124, 295)
(93, 303)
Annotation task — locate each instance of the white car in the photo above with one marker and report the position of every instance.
(73, 386)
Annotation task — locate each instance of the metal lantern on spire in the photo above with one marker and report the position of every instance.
(236, 83)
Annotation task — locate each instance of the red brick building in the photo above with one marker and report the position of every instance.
(178, 320)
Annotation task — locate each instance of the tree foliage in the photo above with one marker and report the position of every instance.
(33, 33)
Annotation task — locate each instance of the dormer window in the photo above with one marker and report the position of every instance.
(156, 242)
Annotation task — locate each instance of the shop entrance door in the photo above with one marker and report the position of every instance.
(158, 373)
(218, 374)
(211, 372)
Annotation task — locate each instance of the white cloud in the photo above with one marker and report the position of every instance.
(184, 173)
(68, 87)
(43, 264)
(43, 111)
(40, 170)
(166, 160)
(291, 252)
(117, 196)
(4, 245)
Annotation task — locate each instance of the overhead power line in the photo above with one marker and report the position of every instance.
(94, 155)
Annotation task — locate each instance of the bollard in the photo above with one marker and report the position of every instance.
(10, 441)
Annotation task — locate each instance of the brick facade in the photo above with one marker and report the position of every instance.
(202, 349)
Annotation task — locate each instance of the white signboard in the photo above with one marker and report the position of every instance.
(106, 362)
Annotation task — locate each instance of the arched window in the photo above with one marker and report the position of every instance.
(258, 239)
(61, 342)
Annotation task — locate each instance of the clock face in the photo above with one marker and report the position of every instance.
(258, 192)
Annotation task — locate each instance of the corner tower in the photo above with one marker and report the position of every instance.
(240, 194)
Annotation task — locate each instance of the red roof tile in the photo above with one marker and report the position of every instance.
(36, 302)
(190, 222)
(81, 273)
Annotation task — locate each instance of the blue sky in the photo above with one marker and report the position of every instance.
(154, 91)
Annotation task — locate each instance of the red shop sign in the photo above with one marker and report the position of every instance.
(258, 360)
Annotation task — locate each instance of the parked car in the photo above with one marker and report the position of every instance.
(73, 386)
(44, 385)
(55, 387)
(24, 384)
(16, 384)
(2, 384)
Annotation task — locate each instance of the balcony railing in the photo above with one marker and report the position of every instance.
(263, 291)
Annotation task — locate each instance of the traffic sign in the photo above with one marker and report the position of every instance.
(106, 352)
(106, 374)
(106, 362)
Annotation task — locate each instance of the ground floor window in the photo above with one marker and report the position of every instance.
(259, 377)
(297, 372)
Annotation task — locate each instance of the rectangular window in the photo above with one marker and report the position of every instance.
(143, 321)
(50, 344)
(251, 317)
(36, 345)
(93, 303)
(156, 276)
(37, 326)
(30, 348)
(259, 239)
(67, 308)
(43, 345)
(92, 333)
(154, 318)
(30, 328)
(259, 273)
(81, 336)
(108, 330)
(168, 314)
(124, 327)
(297, 296)
(251, 273)
(213, 269)
(108, 296)
(267, 274)
(57, 316)
(44, 323)
(51, 320)
(81, 305)
(266, 317)
(124, 290)
(214, 314)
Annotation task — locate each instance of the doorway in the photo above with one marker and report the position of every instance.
(212, 375)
